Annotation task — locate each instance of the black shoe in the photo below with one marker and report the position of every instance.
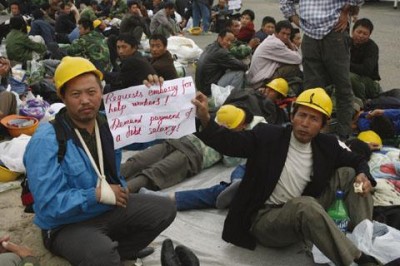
(140, 254)
(144, 252)
(186, 256)
(367, 260)
(168, 255)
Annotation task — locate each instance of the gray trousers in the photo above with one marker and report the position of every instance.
(163, 164)
(284, 71)
(305, 219)
(166, 31)
(233, 78)
(9, 259)
(327, 62)
(113, 236)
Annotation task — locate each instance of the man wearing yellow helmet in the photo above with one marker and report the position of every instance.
(81, 202)
(263, 102)
(290, 180)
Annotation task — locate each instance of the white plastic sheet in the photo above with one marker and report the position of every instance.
(184, 48)
(369, 237)
(219, 94)
(373, 238)
(12, 152)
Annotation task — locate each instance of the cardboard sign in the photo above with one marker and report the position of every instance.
(141, 114)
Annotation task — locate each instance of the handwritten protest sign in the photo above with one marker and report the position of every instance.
(141, 114)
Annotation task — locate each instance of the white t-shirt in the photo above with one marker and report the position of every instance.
(296, 173)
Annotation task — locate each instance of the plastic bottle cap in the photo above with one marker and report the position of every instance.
(339, 194)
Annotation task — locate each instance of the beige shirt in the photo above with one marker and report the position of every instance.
(296, 173)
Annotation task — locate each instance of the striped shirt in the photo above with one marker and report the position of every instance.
(317, 17)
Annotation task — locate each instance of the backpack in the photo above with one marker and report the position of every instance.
(26, 195)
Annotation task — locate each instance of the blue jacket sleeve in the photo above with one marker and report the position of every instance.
(363, 122)
(393, 114)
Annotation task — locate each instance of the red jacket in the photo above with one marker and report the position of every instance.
(246, 33)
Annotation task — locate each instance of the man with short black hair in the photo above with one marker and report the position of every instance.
(217, 65)
(162, 23)
(267, 28)
(292, 174)
(46, 9)
(65, 24)
(161, 58)
(41, 27)
(364, 56)
(325, 50)
(19, 46)
(91, 45)
(82, 204)
(90, 12)
(133, 22)
(15, 10)
(134, 67)
(275, 57)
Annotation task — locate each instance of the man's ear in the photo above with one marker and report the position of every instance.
(62, 97)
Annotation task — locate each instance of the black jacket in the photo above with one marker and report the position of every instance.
(266, 147)
(258, 105)
(364, 60)
(65, 24)
(134, 70)
(164, 66)
(212, 65)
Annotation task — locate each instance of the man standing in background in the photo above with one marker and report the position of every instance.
(325, 49)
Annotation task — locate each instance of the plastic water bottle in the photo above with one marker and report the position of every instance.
(338, 212)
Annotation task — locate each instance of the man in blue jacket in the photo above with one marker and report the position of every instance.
(81, 202)
(384, 122)
(290, 181)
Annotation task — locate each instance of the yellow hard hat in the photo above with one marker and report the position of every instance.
(71, 67)
(317, 99)
(96, 23)
(7, 175)
(230, 116)
(195, 30)
(280, 85)
(370, 136)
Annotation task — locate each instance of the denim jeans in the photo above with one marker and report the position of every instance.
(206, 197)
(73, 35)
(201, 12)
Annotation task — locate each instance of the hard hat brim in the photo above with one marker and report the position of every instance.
(315, 107)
